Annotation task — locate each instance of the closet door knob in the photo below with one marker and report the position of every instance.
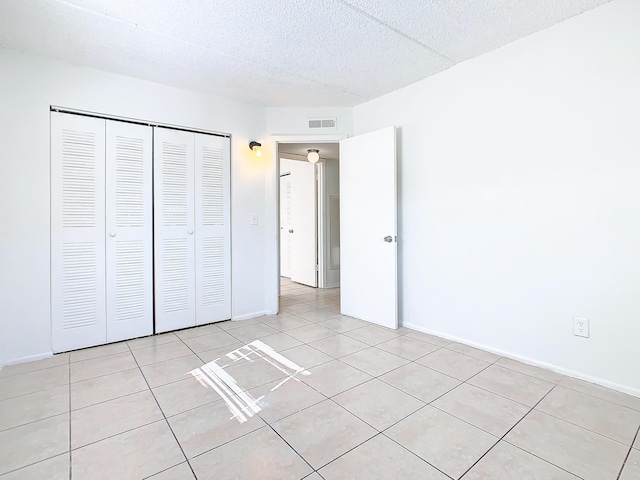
(190, 232)
(112, 234)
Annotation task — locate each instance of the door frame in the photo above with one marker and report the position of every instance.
(296, 138)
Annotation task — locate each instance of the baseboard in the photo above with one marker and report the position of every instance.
(530, 361)
(30, 358)
(247, 316)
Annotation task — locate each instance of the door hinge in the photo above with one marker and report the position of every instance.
(317, 267)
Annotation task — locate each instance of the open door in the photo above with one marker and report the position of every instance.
(285, 224)
(368, 227)
(301, 198)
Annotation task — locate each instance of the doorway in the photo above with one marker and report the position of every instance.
(309, 216)
(368, 209)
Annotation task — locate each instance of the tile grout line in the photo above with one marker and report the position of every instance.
(569, 387)
(531, 408)
(291, 447)
(381, 432)
(413, 396)
(506, 433)
(68, 413)
(378, 432)
(582, 427)
(413, 453)
(164, 417)
(626, 458)
(502, 438)
(378, 377)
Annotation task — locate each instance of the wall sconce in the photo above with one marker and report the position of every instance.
(255, 147)
(313, 155)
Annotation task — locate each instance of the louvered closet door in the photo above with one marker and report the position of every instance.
(77, 232)
(129, 239)
(174, 237)
(213, 246)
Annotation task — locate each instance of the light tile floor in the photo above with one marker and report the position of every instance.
(376, 404)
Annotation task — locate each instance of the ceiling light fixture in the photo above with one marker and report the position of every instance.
(255, 147)
(313, 155)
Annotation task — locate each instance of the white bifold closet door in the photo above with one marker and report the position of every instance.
(213, 228)
(78, 311)
(192, 229)
(101, 231)
(129, 222)
(174, 225)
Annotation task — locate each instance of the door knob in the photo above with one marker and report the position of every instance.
(388, 239)
(190, 232)
(112, 234)
(291, 231)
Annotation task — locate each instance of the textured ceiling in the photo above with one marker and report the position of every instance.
(279, 53)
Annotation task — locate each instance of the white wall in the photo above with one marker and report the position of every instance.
(520, 196)
(28, 86)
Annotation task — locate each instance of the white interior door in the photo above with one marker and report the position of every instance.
(174, 239)
(213, 231)
(285, 224)
(129, 224)
(77, 232)
(368, 224)
(304, 223)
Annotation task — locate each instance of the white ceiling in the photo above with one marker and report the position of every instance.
(278, 53)
(329, 151)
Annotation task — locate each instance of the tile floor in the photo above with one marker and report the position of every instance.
(375, 404)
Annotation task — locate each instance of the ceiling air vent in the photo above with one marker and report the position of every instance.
(323, 123)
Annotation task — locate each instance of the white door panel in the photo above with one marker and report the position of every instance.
(285, 224)
(368, 214)
(304, 223)
(129, 235)
(77, 231)
(174, 237)
(213, 234)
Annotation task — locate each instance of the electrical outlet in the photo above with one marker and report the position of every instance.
(581, 327)
(253, 220)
